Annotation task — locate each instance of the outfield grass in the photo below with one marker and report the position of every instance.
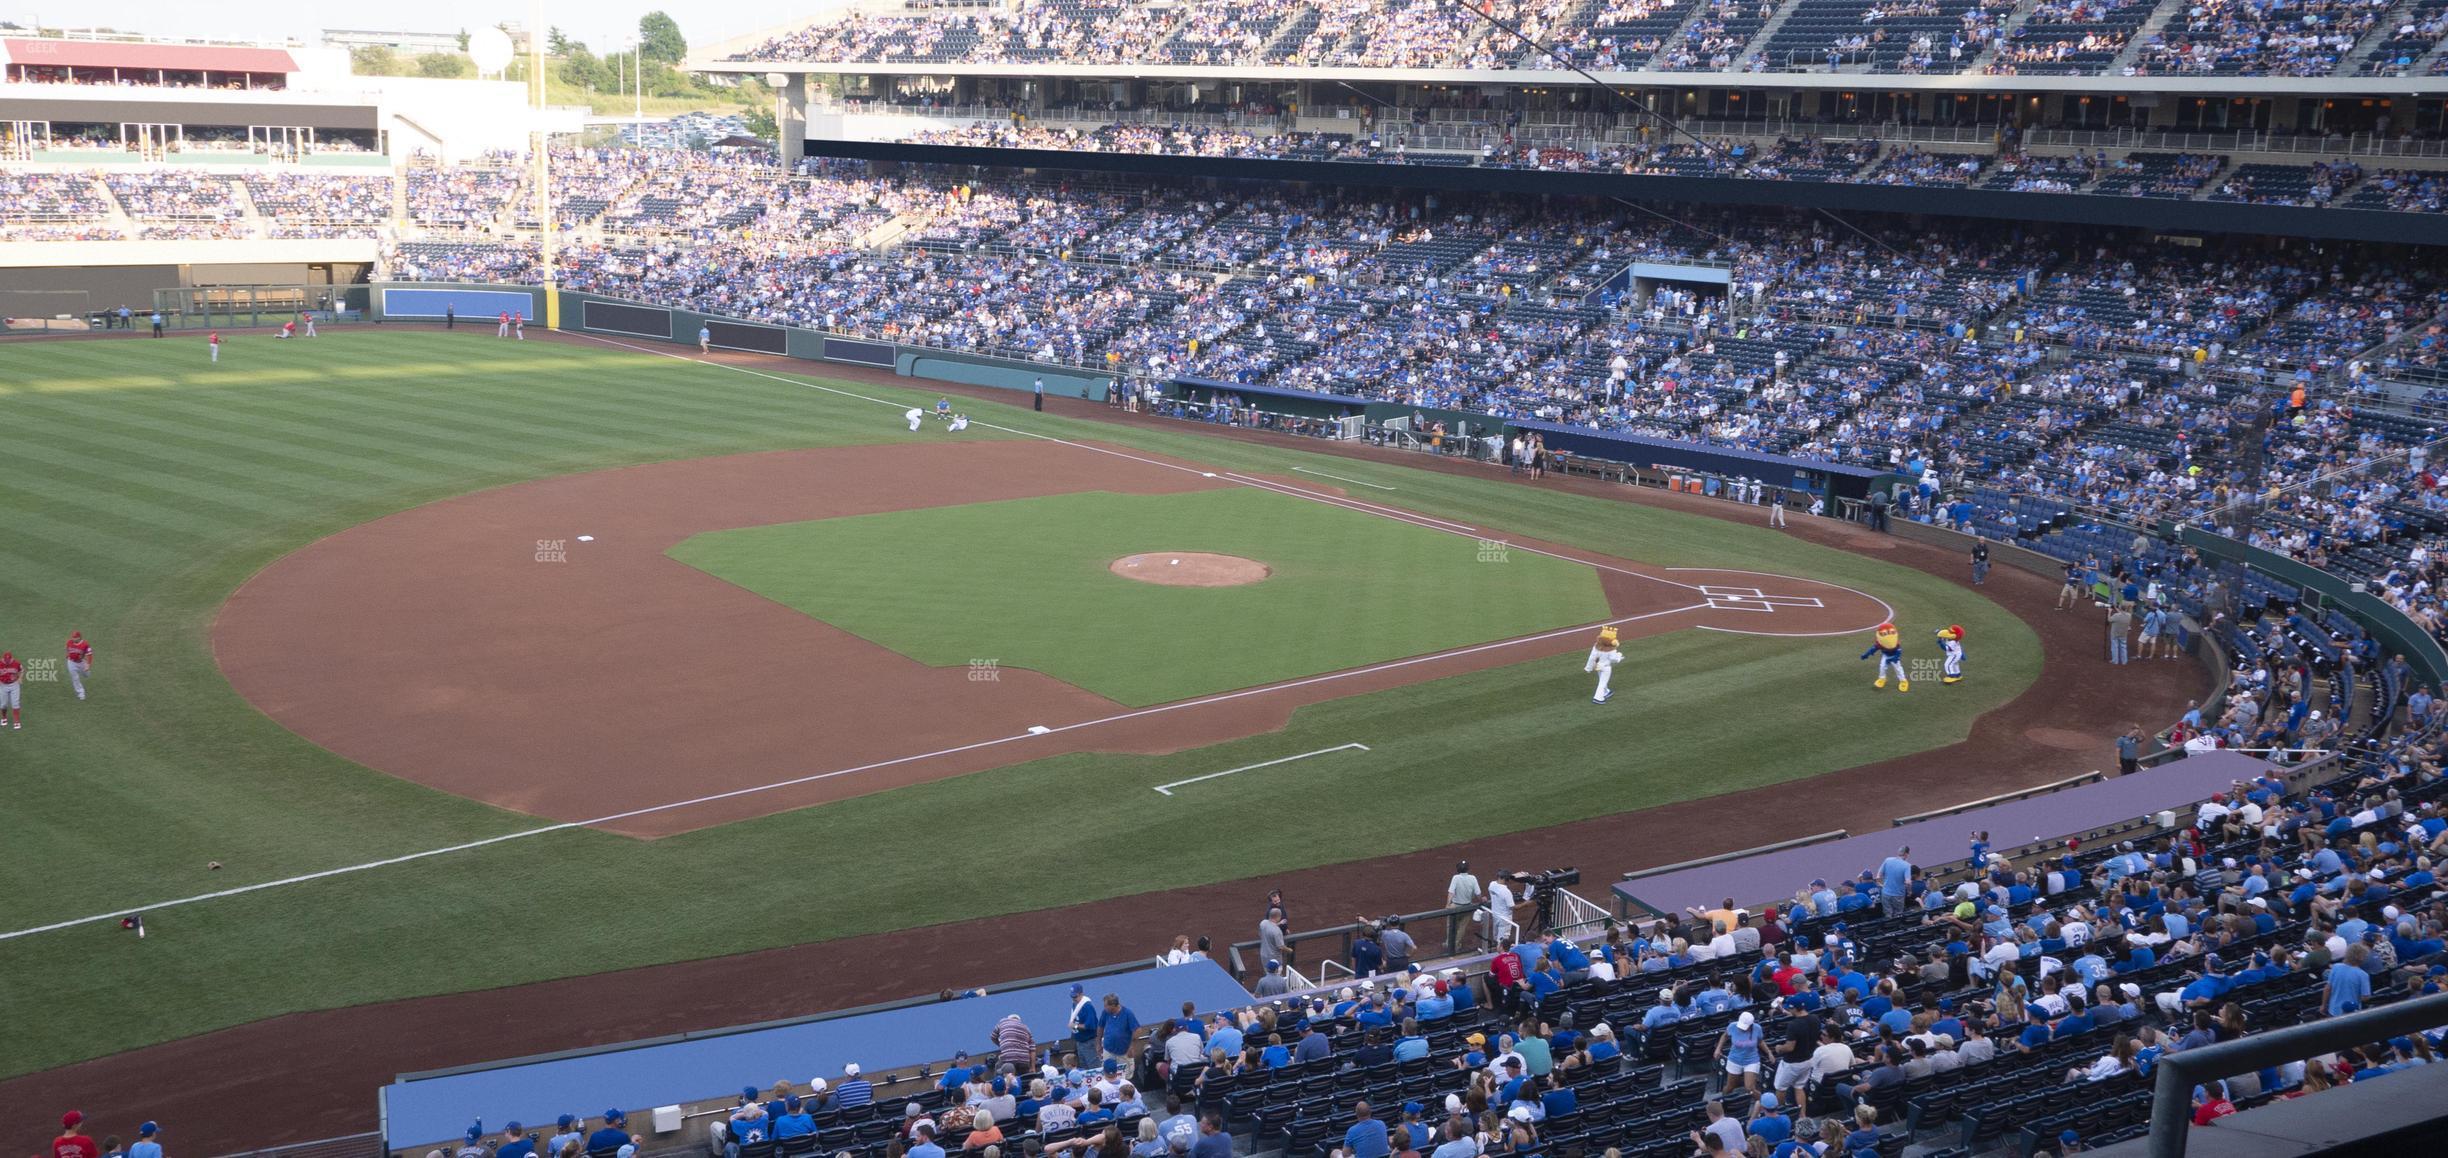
(1027, 583)
(143, 486)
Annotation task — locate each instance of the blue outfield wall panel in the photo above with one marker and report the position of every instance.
(609, 317)
(856, 352)
(400, 302)
(418, 1111)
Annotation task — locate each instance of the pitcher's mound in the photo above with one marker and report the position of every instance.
(1190, 569)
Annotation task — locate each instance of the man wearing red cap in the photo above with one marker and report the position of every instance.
(71, 1143)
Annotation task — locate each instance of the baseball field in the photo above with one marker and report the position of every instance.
(496, 662)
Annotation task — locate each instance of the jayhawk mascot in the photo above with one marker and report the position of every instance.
(1888, 645)
(1950, 641)
(1603, 657)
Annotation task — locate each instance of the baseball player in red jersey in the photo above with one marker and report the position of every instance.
(215, 341)
(307, 319)
(504, 331)
(518, 325)
(12, 686)
(80, 661)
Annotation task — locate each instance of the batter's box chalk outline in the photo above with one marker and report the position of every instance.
(1727, 598)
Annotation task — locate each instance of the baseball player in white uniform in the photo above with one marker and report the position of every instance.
(1603, 657)
(915, 417)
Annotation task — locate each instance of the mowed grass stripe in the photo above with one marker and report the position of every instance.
(545, 415)
(238, 461)
(307, 449)
(75, 487)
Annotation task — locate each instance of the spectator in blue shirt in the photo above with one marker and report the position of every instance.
(795, 1121)
(853, 1092)
(1313, 1045)
(1602, 1047)
(1557, 1099)
(1367, 1137)
(2349, 987)
(2035, 1031)
(1768, 1120)
(613, 1135)
(922, 1141)
(1118, 1025)
(1865, 1135)
(1084, 1020)
(148, 1142)
(1666, 1012)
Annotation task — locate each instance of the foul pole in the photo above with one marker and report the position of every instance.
(540, 150)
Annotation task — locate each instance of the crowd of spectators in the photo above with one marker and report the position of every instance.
(1952, 985)
(321, 204)
(54, 206)
(2259, 37)
(173, 204)
(2225, 37)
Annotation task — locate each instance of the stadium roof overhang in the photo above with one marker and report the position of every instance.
(108, 54)
(2260, 86)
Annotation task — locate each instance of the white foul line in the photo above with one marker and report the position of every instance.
(1340, 478)
(1167, 789)
(676, 805)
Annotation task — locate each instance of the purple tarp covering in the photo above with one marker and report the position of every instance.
(1772, 877)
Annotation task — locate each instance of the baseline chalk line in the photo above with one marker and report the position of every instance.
(1340, 478)
(1167, 789)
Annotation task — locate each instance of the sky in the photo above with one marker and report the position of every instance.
(602, 24)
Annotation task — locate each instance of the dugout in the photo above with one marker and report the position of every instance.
(1273, 399)
(1830, 480)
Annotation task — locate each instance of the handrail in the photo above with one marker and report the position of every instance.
(2001, 798)
(2172, 1097)
(1343, 931)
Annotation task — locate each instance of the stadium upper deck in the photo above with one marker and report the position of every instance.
(2202, 39)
